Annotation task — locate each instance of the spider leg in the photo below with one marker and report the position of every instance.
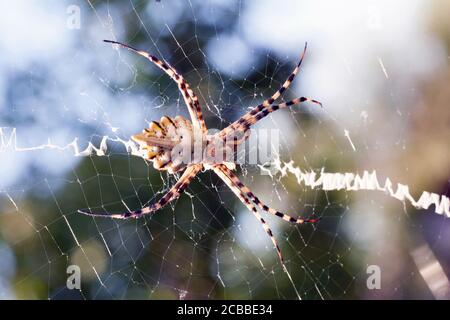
(288, 81)
(246, 121)
(245, 190)
(191, 100)
(255, 118)
(251, 207)
(172, 194)
(266, 103)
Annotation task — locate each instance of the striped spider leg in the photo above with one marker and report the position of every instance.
(171, 143)
(257, 113)
(195, 111)
(247, 196)
(174, 192)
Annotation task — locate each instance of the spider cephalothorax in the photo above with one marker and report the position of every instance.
(179, 144)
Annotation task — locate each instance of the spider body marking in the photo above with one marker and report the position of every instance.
(171, 145)
(174, 144)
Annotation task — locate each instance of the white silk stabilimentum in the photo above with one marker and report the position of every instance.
(327, 181)
(354, 182)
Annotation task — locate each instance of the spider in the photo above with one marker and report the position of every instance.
(167, 143)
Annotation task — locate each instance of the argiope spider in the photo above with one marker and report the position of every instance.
(167, 143)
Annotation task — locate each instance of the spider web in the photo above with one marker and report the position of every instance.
(71, 102)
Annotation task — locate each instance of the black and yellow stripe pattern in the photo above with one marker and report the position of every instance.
(159, 140)
(191, 100)
(262, 110)
(171, 195)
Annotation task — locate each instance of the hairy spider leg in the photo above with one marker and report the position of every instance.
(246, 190)
(247, 122)
(191, 100)
(251, 207)
(266, 103)
(171, 195)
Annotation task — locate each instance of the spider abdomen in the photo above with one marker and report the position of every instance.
(168, 143)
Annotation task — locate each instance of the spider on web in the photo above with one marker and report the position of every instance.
(172, 144)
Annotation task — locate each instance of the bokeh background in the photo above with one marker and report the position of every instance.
(381, 69)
